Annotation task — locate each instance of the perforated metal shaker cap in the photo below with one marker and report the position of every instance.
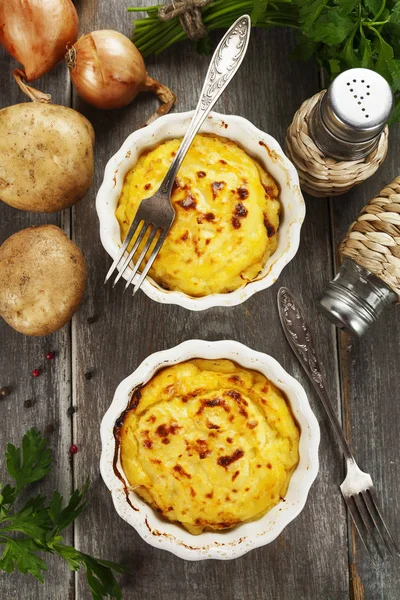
(357, 105)
(348, 121)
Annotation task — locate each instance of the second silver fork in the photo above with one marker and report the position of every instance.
(357, 488)
(156, 214)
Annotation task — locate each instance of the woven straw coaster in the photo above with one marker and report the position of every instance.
(322, 176)
(373, 241)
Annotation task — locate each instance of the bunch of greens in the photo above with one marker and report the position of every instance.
(341, 34)
(153, 36)
(35, 528)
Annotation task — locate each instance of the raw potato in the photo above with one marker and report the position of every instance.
(46, 156)
(42, 279)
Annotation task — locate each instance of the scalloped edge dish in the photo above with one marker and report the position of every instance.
(242, 538)
(257, 144)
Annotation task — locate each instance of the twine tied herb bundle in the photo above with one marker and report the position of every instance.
(189, 15)
(341, 34)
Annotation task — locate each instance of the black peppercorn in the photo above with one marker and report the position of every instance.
(92, 319)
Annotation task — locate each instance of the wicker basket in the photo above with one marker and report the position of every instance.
(373, 240)
(320, 175)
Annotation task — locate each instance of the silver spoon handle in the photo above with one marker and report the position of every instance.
(298, 335)
(224, 64)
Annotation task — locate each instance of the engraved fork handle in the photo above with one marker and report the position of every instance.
(224, 64)
(298, 335)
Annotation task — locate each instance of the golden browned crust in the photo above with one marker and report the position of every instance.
(208, 444)
(227, 215)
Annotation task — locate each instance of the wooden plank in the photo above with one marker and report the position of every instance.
(51, 392)
(310, 558)
(370, 383)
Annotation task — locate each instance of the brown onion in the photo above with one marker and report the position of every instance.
(37, 32)
(108, 71)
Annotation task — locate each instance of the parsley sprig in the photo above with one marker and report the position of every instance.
(341, 34)
(27, 533)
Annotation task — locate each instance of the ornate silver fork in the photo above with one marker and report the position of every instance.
(357, 489)
(156, 214)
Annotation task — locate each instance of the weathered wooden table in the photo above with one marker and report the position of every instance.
(318, 556)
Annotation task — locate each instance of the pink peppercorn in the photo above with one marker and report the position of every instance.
(35, 373)
(73, 449)
(50, 356)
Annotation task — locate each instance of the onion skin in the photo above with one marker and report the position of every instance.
(110, 83)
(108, 71)
(37, 32)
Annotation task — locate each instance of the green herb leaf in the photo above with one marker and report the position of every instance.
(7, 496)
(6, 561)
(259, 8)
(310, 11)
(22, 554)
(348, 53)
(42, 524)
(305, 48)
(394, 68)
(391, 33)
(101, 579)
(63, 517)
(334, 66)
(373, 5)
(99, 573)
(34, 463)
(55, 506)
(395, 14)
(71, 556)
(332, 28)
(32, 519)
(384, 60)
(395, 116)
(347, 6)
(366, 54)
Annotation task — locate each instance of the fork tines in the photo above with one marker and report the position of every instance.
(123, 260)
(367, 517)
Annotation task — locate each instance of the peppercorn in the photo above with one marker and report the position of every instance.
(50, 355)
(28, 403)
(89, 375)
(35, 372)
(71, 411)
(4, 391)
(73, 449)
(92, 319)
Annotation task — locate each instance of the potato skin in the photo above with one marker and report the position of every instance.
(46, 156)
(42, 279)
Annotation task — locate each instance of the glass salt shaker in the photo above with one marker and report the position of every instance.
(369, 277)
(338, 138)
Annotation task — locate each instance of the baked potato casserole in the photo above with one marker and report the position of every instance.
(208, 444)
(227, 215)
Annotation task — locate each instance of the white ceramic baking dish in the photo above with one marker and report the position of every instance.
(256, 143)
(237, 541)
